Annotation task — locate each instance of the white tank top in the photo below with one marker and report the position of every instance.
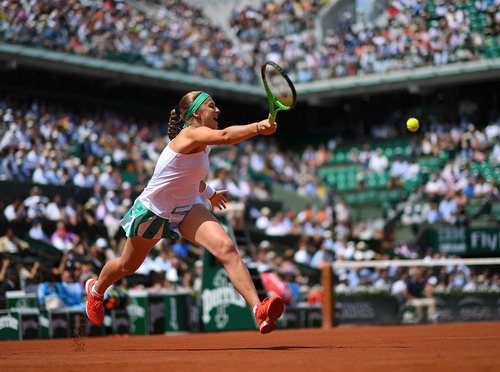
(173, 189)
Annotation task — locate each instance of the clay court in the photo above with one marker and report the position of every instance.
(447, 347)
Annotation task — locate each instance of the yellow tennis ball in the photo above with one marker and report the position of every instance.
(412, 124)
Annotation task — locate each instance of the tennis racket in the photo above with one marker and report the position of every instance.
(279, 88)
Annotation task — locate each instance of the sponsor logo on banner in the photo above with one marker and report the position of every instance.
(44, 321)
(59, 323)
(474, 308)
(452, 240)
(136, 311)
(356, 310)
(30, 324)
(9, 321)
(156, 311)
(485, 240)
(174, 324)
(219, 298)
(459, 240)
(121, 322)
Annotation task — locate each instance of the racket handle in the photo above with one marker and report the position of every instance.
(272, 118)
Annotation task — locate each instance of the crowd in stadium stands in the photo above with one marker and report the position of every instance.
(105, 159)
(178, 37)
(447, 190)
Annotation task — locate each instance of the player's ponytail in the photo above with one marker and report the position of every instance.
(176, 119)
(174, 123)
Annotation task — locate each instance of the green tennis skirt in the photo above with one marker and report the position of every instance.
(140, 221)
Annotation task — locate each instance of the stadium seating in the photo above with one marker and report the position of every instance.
(292, 39)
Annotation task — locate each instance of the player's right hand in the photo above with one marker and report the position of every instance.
(266, 128)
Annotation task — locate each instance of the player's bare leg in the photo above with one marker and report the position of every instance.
(200, 227)
(134, 252)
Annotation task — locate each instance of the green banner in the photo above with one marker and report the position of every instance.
(465, 242)
(177, 310)
(20, 300)
(44, 320)
(138, 312)
(10, 326)
(222, 307)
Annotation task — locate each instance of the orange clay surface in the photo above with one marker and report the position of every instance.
(447, 347)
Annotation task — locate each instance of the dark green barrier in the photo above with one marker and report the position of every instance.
(156, 313)
(59, 324)
(301, 316)
(159, 312)
(466, 307)
(120, 322)
(384, 309)
(19, 325)
(30, 326)
(366, 309)
(355, 309)
(177, 312)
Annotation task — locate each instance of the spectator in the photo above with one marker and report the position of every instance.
(9, 280)
(36, 232)
(16, 211)
(10, 243)
(183, 249)
(399, 167)
(63, 239)
(235, 206)
(378, 161)
(322, 257)
(448, 209)
(419, 294)
(162, 261)
(28, 272)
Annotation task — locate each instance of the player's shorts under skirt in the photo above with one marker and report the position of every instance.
(139, 221)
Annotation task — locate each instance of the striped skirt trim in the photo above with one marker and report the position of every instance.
(139, 221)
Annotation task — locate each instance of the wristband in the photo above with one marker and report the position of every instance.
(208, 192)
(258, 128)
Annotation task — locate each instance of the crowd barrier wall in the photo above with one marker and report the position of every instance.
(176, 312)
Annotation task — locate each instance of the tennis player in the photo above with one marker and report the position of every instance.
(170, 205)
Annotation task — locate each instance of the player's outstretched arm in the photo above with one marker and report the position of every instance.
(230, 135)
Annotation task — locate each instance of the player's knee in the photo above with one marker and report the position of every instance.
(226, 251)
(128, 267)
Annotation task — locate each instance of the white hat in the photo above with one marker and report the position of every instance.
(432, 280)
(101, 242)
(264, 244)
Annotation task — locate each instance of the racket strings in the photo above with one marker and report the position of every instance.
(279, 86)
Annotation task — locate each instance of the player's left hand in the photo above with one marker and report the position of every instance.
(219, 200)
